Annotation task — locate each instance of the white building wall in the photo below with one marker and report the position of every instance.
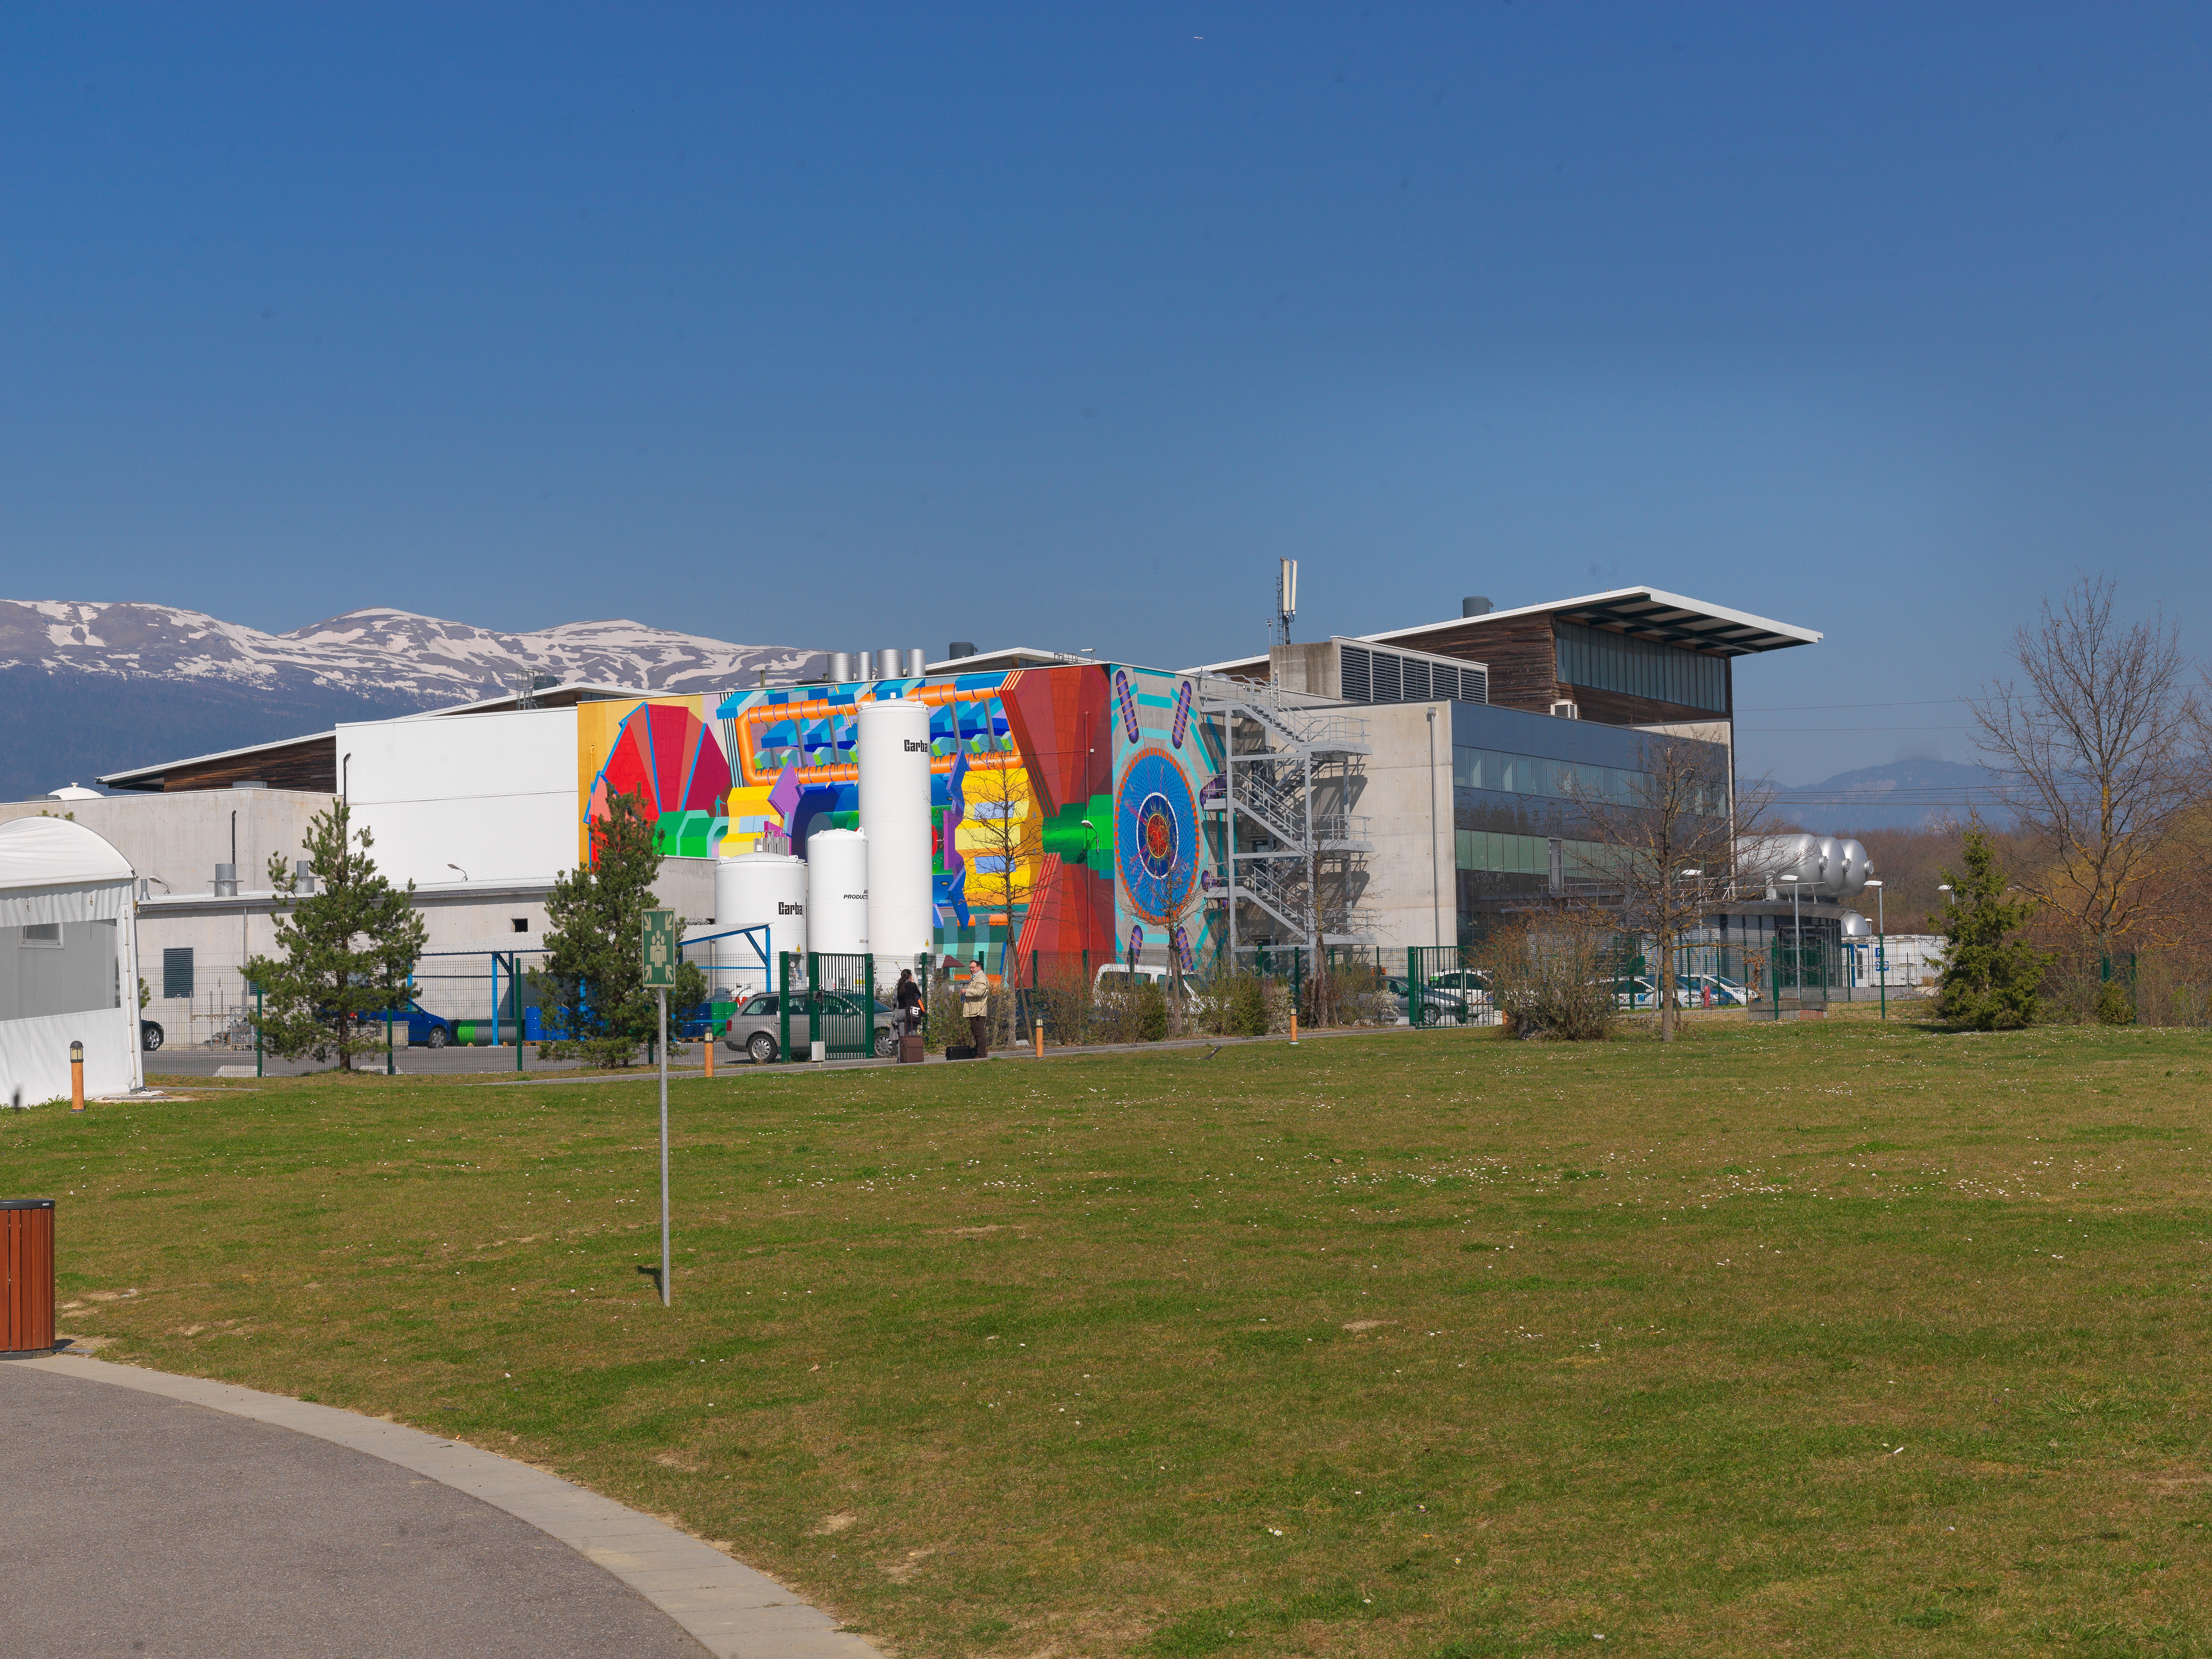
(1412, 896)
(493, 794)
(174, 841)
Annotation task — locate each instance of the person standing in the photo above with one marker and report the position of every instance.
(909, 1003)
(975, 1005)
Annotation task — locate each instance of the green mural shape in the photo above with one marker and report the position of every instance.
(1064, 834)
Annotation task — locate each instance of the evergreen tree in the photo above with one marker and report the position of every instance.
(1989, 976)
(348, 947)
(594, 971)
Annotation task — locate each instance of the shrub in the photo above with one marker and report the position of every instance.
(1553, 976)
(1151, 1012)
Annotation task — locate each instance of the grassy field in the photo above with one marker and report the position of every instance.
(1813, 1338)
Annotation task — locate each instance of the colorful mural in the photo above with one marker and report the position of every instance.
(662, 749)
(1165, 771)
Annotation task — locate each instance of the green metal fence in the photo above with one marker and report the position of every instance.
(826, 997)
(1444, 987)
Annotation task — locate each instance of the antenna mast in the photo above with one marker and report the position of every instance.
(1286, 599)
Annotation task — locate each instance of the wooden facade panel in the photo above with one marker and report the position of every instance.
(1619, 708)
(310, 763)
(1520, 652)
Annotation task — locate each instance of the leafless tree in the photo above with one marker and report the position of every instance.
(2100, 751)
(1669, 834)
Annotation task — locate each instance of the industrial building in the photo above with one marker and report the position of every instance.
(1385, 790)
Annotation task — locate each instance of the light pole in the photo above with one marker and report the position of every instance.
(1797, 945)
(465, 874)
(1881, 949)
(1697, 875)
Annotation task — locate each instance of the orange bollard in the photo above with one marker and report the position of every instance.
(710, 1048)
(1294, 1028)
(1036, 1030)
(77, 1077)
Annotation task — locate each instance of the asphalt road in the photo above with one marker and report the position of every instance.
(134, 1525)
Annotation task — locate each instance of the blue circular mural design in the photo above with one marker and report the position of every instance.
(1156, 835)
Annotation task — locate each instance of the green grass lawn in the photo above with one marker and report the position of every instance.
(1840, 1339)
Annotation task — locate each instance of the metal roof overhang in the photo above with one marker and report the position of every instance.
(1648, 613)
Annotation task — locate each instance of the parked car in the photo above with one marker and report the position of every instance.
(1448, 1003)
(1120, 976)
(149, 1035)
(424, 1029)
(1711, 991)
(1469, 985)
(756, 1027)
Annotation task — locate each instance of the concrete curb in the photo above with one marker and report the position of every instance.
(733, 1611)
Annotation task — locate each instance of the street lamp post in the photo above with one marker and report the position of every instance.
(1797, 945)
(1881, 949)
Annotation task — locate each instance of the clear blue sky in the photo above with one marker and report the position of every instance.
(846, 326)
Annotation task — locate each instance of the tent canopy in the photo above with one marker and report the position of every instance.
(52, 869)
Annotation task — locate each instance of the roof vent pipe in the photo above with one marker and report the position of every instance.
(226, 881)
(1474, 605)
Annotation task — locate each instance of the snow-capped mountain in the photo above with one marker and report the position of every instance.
(89, 689)
(378, 651)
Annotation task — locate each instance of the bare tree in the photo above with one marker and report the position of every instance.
(1670, 833)
(2101, 754)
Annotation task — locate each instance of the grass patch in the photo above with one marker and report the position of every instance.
(1836, 1338)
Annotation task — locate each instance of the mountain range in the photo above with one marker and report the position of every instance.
(88, 687)
(1906, 795)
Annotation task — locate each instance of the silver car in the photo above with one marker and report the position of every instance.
(756, 1028)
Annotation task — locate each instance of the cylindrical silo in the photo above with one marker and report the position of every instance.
(841, 666)
(890, 663)
(837, 892)
(864, 666)
(917, 662)
(893, 754)
(757, 889)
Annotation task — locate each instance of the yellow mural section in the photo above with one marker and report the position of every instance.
(1004, 819)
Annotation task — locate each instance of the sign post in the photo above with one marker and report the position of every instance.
(658, 945)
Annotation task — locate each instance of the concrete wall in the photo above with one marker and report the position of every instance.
(494, 794)
(175, 841)
(1407, 799)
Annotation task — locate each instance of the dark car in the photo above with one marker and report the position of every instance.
(756, 1028)
(149, 1035)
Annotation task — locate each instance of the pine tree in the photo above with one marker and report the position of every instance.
(1989, 976)
(348, 947)
(594, 972)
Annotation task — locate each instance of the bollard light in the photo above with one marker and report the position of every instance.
(77, 1077)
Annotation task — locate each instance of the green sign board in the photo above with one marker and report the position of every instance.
(659, 943)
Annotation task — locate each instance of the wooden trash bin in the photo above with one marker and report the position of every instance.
(27, 1277)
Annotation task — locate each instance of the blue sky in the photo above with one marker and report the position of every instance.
(847, 326)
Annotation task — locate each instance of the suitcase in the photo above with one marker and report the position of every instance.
(960, 1051)
(910, 1051)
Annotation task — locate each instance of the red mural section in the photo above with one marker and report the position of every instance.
(1057, 717)
(667, 755)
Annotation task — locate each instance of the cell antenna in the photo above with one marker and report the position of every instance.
(1286, 596)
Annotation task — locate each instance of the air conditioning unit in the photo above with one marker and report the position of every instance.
(1567, 711)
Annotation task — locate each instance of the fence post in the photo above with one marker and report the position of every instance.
(783, 1002)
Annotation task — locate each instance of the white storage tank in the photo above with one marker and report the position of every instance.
(755, 889)
(893, 755)
(837, 892)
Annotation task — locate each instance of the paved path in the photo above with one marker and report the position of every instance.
(167, 1516)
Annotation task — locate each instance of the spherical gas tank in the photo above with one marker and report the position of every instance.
(757, 889)
(837, 892)
(893, 755)
(1858, 868)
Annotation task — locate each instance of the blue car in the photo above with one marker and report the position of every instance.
(424, 1029)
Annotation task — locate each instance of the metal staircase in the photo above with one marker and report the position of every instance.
(1289, 846)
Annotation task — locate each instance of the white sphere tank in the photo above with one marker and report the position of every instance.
(757, 889)
(893, 755)
(837, 892)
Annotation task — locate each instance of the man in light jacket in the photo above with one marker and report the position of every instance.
(975, 1005)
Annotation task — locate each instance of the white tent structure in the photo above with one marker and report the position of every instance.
(68, 961)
